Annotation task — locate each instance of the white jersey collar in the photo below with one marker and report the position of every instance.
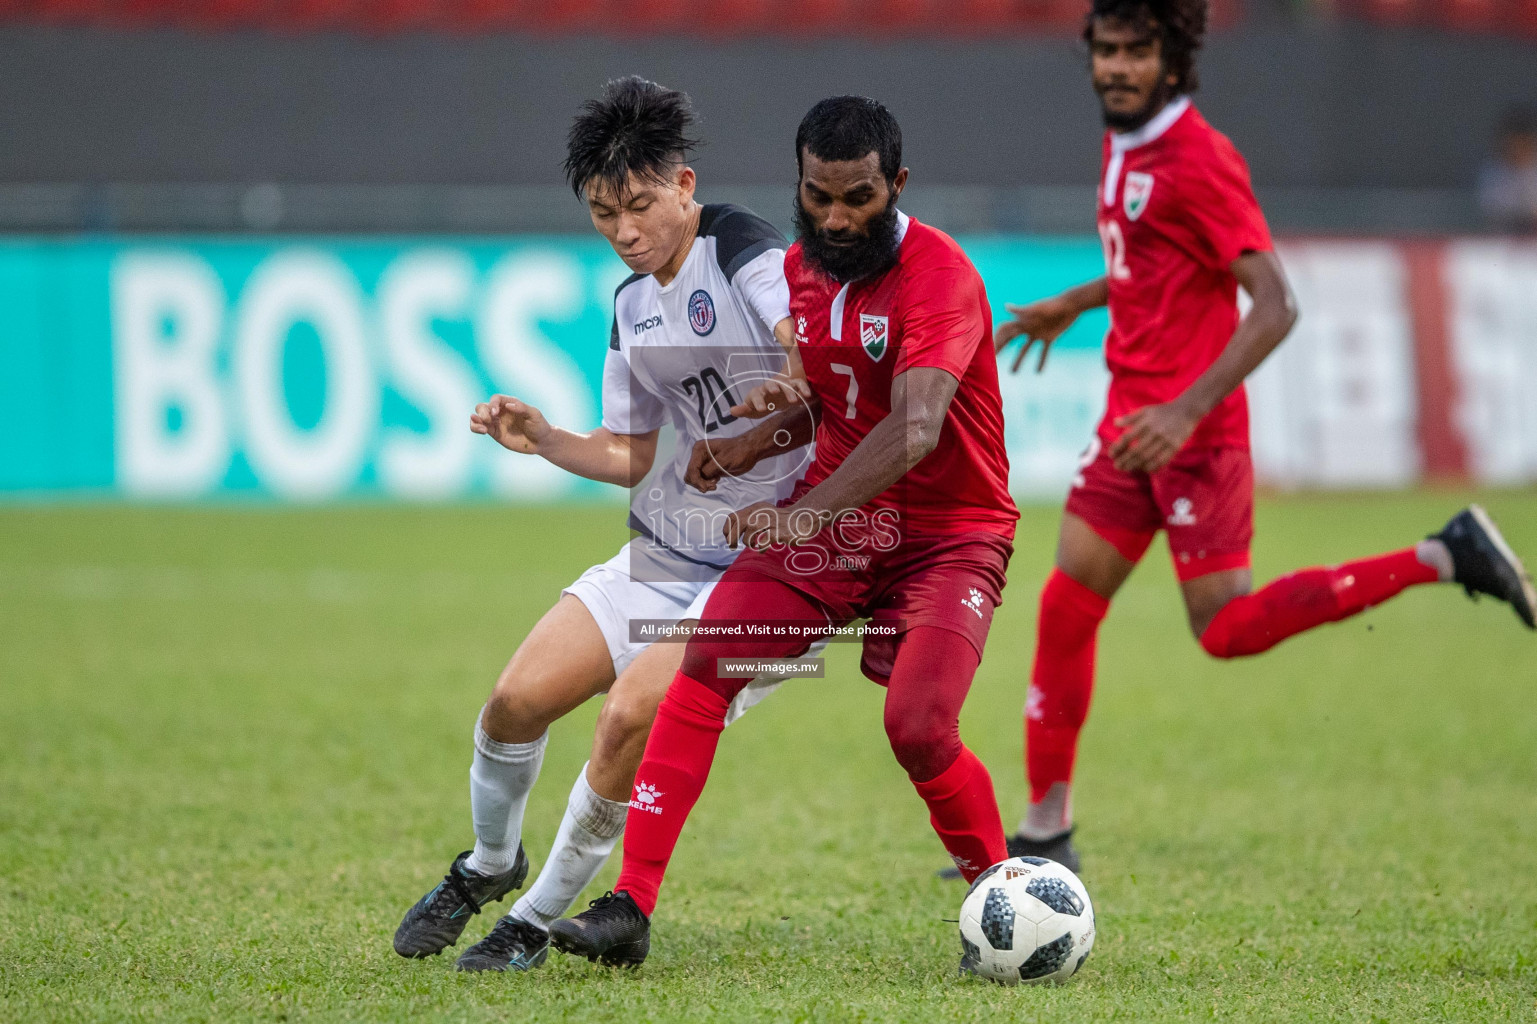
(902, 221)
(695, 245)
(1120, 142)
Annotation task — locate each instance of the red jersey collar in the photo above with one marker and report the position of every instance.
(1154, 130)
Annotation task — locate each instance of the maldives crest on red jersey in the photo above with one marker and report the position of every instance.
(1139, 189)
(873, 335)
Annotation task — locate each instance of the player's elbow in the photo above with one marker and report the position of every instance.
(1288, 312)
(632, 467)
(1276, 305)
(922, 437)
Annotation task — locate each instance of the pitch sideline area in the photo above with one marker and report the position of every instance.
(234, 745)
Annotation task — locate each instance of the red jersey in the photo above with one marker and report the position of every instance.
(1175, 210)
(929, 309)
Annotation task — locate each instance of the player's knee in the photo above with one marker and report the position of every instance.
(923, 745)
(1070, 612)
(1221, 630)
(702, 660)
(625, 719)
(1217, 639)
(516, 712)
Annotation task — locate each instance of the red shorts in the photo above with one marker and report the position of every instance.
(1204, 500)
(952, 581)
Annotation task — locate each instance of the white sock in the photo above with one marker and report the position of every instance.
(500, 779)
(1052, 816)
(1434, 553)
(587, 835)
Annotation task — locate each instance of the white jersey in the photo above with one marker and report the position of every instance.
(688, 352)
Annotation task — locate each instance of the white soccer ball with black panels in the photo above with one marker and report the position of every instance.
(1026, 919)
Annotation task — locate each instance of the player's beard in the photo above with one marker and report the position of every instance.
(1136, 119)
(853, 256)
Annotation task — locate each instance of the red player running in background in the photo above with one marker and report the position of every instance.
(1182, 231)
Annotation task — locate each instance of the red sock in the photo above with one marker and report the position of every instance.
(1311, 597)
(964, 812)
(1062, 680)
(672, 774)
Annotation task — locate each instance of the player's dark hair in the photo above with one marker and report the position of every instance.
(850, 128)
(636, 127)
(1181, 27)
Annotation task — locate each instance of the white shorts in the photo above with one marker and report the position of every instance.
(614, 598)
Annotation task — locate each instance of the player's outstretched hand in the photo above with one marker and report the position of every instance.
(763, 525)
(1154, 434)
(513, 424)
(771, 396)
(1042, 322)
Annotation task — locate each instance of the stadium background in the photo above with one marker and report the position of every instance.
(287, 244)
(257, 257)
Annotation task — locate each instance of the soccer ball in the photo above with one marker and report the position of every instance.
(1026, 919)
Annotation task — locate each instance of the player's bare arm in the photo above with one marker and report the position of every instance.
(1046, 320)
(1154, 434)
(792, 426)
(787, 398)
(622, 459)
(785, 391)
(920, 400)
(784, 333)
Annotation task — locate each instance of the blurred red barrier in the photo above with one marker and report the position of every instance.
(232, 13)
(1443, 452)
(81, 11)
(740, 18)
(1512, 17)
(315, 15)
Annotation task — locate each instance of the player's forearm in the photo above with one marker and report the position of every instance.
(887, 452)
(597, 455)
(920, 401)
(1259, 335)
(1087, 296)
(1269, 321)
(783, 432)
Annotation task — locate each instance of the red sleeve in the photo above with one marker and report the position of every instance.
(941, 318)
(1219, 219)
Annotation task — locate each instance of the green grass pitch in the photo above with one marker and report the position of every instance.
(234, 745)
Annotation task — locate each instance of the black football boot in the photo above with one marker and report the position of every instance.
(612, 931)
(438, 918)
(1058, 848)
(1484, 564)
(513, 945)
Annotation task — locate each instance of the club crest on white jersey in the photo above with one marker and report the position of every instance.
(701, 312)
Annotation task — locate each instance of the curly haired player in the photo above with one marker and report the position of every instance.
(1182, 232)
